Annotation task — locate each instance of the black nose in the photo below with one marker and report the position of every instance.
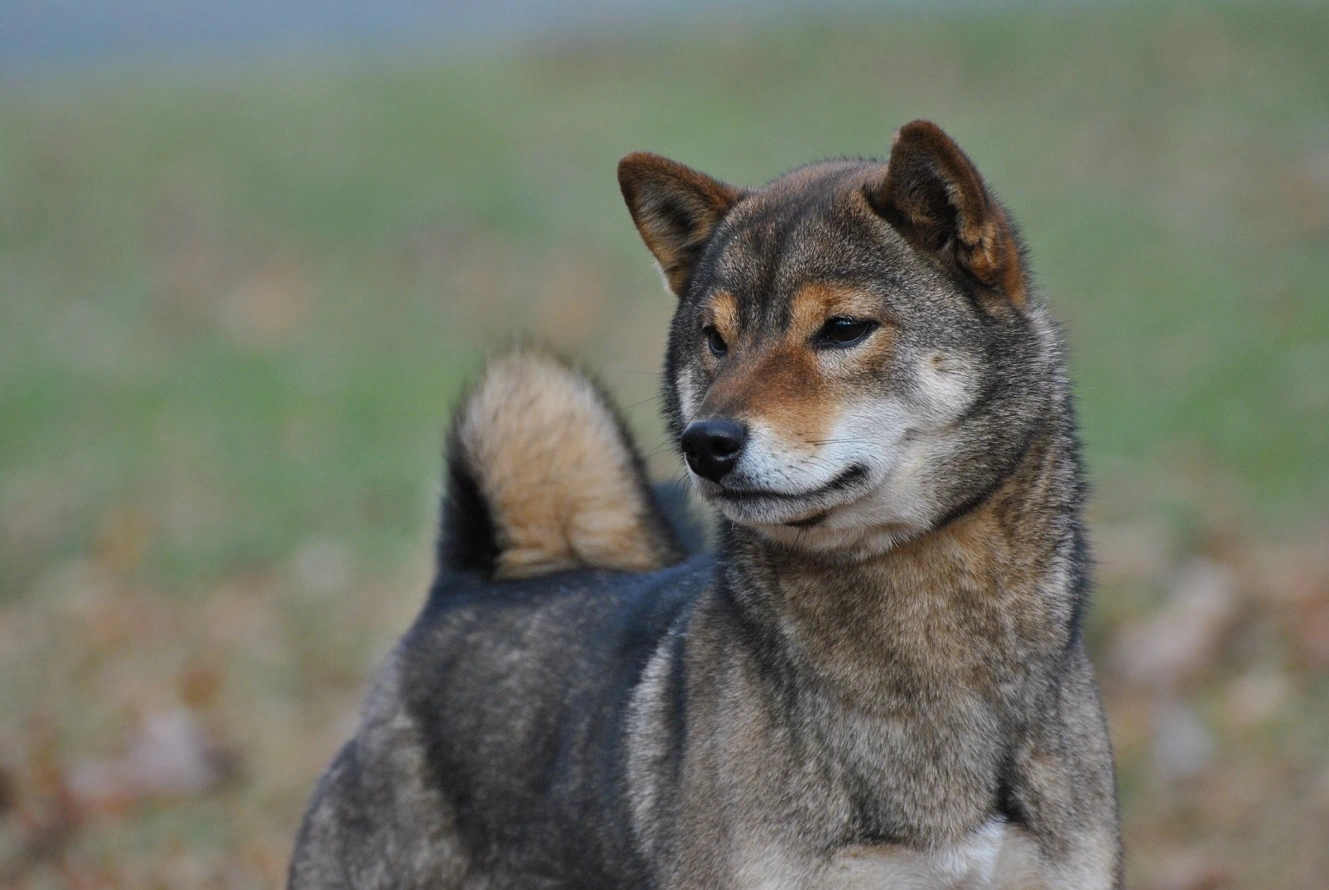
(713, 446)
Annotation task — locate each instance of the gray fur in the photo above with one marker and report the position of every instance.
(874, 694)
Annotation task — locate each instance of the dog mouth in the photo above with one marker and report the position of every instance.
(755, 499)
(847, 479)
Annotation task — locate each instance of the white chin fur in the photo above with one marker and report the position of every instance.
(893, 503)
(901, 446)
(857, 527)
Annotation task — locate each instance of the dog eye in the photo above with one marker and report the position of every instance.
(713, 339)
(844, 331)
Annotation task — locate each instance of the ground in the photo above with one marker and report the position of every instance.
(238, 300)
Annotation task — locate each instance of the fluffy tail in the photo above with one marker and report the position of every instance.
(542, 477)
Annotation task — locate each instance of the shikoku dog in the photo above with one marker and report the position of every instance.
(879, 679)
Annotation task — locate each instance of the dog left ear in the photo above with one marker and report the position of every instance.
(676, 209)
(933, 195)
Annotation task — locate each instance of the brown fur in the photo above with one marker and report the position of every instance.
(761, 388)
(723, 314)
(676, 234)
(555, 468)
(814, 303)
(931, 189)
(784, 383)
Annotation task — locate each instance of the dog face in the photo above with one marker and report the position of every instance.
(854, 356)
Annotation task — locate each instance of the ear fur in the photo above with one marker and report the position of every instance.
(676, 210)
(933, 195)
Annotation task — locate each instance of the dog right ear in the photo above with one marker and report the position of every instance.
(676, 210)
(933, 195)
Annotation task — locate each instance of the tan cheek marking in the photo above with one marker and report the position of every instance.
(788, 388)
(796, 400)
(784, 390)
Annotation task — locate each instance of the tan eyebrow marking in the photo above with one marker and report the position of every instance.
(723, 313)
(814, 303)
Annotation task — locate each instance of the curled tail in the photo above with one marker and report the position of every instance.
(543, 477)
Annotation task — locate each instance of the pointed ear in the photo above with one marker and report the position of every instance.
(675, 208)
(933, 195)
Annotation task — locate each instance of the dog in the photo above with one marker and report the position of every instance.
(876, 679)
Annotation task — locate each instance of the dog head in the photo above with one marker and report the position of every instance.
(855, 355)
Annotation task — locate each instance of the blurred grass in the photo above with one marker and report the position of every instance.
(236, 302)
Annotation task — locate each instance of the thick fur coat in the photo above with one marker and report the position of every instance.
(877, 679)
